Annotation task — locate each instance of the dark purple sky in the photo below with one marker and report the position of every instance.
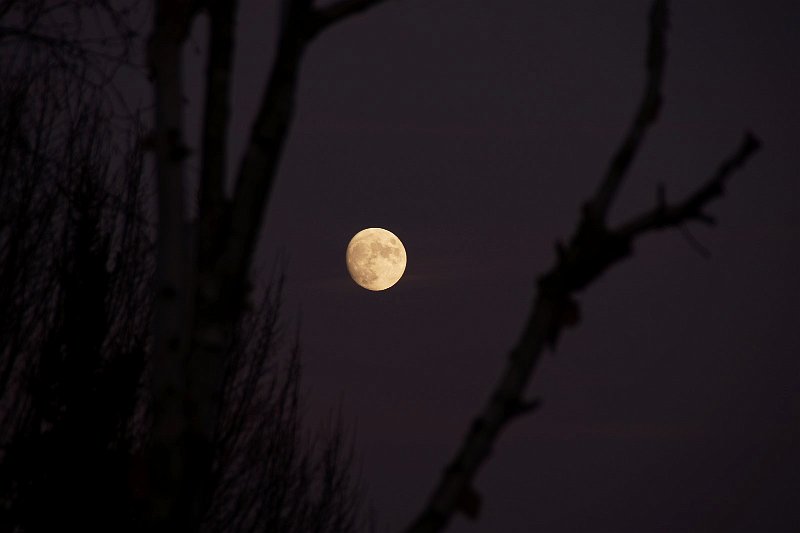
(474, 130)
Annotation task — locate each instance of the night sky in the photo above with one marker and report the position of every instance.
(474, 130)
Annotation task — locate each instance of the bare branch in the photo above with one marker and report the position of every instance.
(589, 255)
(301, 22)
(261, 157)
(217, 114)
(329, 15)
(590, 252)
(172, 461)
(664, 216)
(645, 116)
(227, 230)
(503, 406)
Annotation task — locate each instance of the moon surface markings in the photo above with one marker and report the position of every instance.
(376, 259)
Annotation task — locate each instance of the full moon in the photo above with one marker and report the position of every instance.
(376, 259)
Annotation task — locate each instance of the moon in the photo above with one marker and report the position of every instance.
(376, 259)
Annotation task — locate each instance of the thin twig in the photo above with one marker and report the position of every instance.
(691, 208)
(645, 116)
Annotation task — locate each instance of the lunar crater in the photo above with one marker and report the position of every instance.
(376, 258)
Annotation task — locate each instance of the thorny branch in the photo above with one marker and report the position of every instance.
(591, 251)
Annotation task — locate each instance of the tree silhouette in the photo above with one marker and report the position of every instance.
(228, 226)
(206, 393)
(76, 267)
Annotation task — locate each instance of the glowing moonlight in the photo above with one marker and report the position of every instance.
(376, 259)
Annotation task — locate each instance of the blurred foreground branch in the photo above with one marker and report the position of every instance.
(592, 250)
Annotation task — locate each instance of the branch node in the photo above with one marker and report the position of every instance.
(523, 407)
(751, 142)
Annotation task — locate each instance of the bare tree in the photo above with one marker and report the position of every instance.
(196, 313)
(76, 266)
(200, 294)
(74, 307)
(264, 477)
(191, 471)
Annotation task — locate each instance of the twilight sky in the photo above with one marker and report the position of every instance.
(474, 129)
